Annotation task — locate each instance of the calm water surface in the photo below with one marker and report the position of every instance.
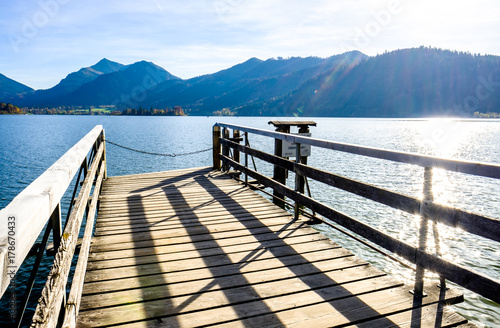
(30, 144)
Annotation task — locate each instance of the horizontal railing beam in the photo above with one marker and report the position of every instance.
(479, 225)
(75, 294)
(31, 209)
(462, 166)
(49, 304)
(469, 279)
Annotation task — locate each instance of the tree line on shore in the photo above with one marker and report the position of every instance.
(7, 108)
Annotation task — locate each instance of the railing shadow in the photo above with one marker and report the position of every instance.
(232, 206)
(136, 206)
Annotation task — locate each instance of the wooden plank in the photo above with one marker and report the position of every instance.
(282, 282)
(34, 205)
(103, 246)
(171, 173)
(198, 196)
(264, 267)
(432, 315)
(138, 187)
(168, 254)
(292, 123)
(195, 230)
(174, 222)
(176, 246)
(236, 254)
(203, 214)
(237, 303)
(284, 254)
(330, 306)
(345, 311)
(173, 208)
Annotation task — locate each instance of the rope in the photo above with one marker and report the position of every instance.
(158, 154)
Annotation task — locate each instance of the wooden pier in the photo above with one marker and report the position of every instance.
(194, 248)
(199, 248)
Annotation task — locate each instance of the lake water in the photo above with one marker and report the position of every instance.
(30, 144)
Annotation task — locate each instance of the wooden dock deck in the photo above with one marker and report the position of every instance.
(192, 248)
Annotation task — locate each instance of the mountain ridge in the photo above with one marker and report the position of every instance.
(403, 83)
(10, 88)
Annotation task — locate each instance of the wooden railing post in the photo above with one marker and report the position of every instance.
(225, 149)
(298, 180)
(236, 138)
(216, 147)
(246, 158)
(104, 162)
(279, 173)
(422, 239)
(303, 160)
(56, 227)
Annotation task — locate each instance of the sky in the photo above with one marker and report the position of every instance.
(41, 41)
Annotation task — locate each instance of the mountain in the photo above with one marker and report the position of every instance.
(415, 82)
(12, 89)
(88, 74)
(104, 83)
(252, 81)
(71, 82)
(404, 83)
(127, 87)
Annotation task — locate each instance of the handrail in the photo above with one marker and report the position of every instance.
(473, 223)
(475, 168)
(470, 222)
(38, 204)
(54, 291)
(35, 204)
(75, 294)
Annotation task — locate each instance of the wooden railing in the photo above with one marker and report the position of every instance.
(428, 210)
(39, 205)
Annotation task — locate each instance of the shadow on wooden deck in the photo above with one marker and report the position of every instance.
(198, 249)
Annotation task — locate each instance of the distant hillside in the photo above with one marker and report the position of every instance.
(12, 89)
(252, 81)
(404, 83)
